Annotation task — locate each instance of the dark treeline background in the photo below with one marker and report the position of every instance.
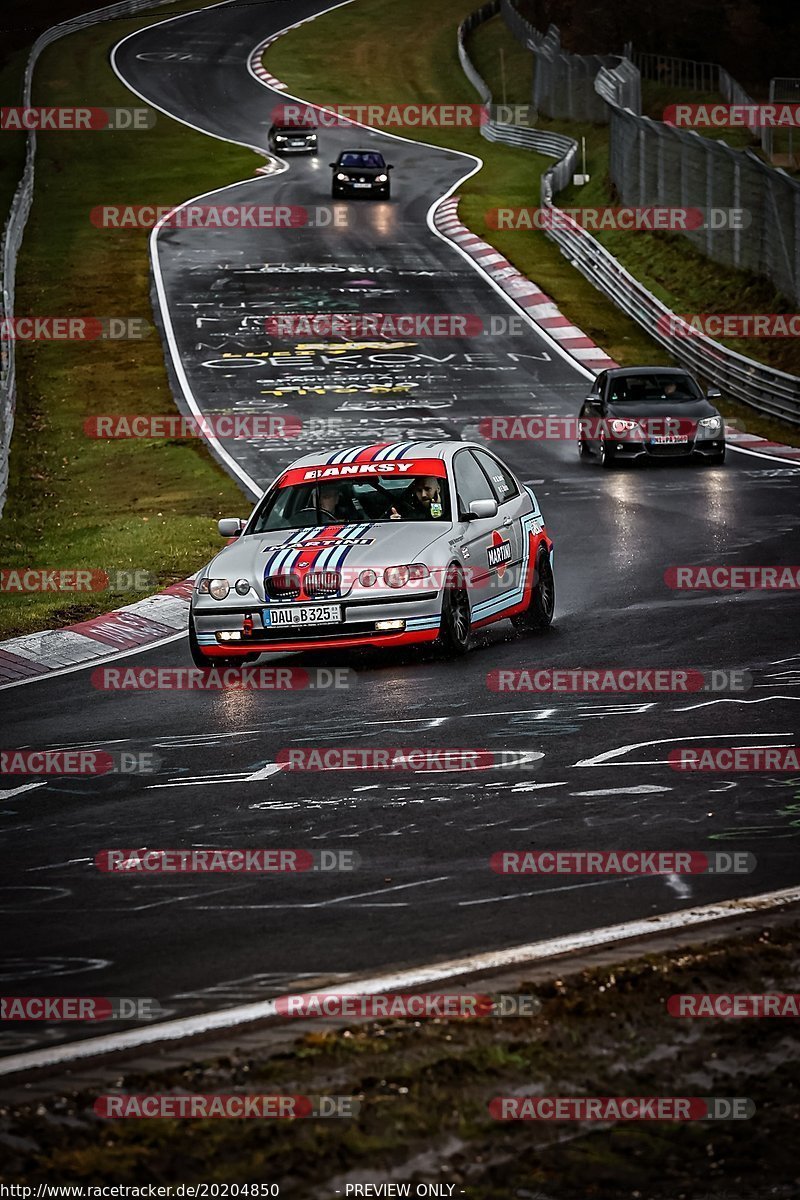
(753, 39)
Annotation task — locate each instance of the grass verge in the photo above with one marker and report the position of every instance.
(344, 56)
(425, 1087)
(74, 502)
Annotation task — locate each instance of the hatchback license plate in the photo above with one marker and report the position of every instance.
(303, 614)
(669, 440)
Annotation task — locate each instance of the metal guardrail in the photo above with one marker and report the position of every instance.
(18, 217)
(761, 387)
(554, 145)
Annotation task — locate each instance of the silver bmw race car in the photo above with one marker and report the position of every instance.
(381, 545)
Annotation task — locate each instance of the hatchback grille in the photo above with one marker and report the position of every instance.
(283, 587)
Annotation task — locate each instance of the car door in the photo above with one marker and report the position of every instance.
(476, 535)
(508, 540)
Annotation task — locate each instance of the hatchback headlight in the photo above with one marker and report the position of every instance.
(711, 423)
(621, 427)
(381, 178)
(218, 588)
(341, 176)
(397, 577)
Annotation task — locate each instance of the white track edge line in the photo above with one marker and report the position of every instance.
(235, 1018)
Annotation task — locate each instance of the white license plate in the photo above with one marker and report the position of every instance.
(297, 143)
(303, 614)
(669, 440)
(362, 185)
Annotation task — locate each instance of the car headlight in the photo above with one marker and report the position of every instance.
(621, 427)
(242, 586)
(341, 176)
(397, 577)
(381, 178)
(218, 588)
(368, 578)
(710, 423)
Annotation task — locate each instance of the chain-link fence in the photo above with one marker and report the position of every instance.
(783, 143)
(752, 210)
(554, 145)
(564, 84)
(752, 383)
(18, 216)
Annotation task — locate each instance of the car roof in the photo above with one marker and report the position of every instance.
(619, 372)
(361, 150)
(386, 451)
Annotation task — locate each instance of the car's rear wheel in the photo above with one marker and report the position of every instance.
(454, 631)
(539, 613)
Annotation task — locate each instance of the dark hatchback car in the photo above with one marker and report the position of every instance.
(293, 139)
(642, 413)
(361, 173)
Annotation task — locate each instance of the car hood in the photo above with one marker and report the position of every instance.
(386, 544)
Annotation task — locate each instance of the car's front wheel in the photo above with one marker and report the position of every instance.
(607, 458)
(714, 460)
(539, 612)
(454, 631)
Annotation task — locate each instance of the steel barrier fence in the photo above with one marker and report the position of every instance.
(761, 387)
(18, 216)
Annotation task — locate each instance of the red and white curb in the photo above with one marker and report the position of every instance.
(742, 440)
(527, 295)
(147, 622)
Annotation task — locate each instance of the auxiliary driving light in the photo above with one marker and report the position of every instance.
(390, 624)
(232, 635)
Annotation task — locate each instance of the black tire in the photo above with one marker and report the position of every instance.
(583, 450)
(714, 460)
(454, 631)
(206, 662)
(539, 613)
(607, 458)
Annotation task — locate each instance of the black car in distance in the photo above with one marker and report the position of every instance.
(361, 173)
(642, 413)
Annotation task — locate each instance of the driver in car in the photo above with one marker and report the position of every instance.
(334, 504)
(422, 500)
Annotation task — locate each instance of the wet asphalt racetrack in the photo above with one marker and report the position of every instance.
(424, 891)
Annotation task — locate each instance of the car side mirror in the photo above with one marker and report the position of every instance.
(332, 164)
(482, 509)
(390, 166)
(713, 393)
(230, 527)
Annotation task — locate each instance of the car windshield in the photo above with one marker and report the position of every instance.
(295, 129)
(350, 501)
(650, 389)
(355, 158)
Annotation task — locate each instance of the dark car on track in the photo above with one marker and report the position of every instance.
(643, 413)
(293, 138)
(361, 173)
